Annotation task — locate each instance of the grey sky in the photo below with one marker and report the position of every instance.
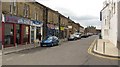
(85, 12)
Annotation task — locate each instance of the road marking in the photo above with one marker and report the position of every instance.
(90, 52)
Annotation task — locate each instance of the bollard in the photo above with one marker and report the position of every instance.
(25, 45)
(103, 47)
(2, 47)
(16, 45)
(96, 44)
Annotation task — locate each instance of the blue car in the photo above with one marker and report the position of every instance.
(50, 41)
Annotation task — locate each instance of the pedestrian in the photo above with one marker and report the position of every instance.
(39, 36)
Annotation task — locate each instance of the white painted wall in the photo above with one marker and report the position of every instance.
(114, 26)
(105, 13)
(111, 22)
(118, 21)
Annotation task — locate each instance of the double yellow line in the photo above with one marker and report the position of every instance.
(90, 52)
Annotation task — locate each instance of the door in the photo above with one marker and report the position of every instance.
(8, 35)
(18, 34)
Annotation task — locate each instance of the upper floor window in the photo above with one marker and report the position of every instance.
(105, 22)
(114, 8)
(26, 10)
(13, 7)
(36, 16)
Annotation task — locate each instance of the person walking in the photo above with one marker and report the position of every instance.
(39, 36)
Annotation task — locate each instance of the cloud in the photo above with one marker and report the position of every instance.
(85, 20)
(87, 15)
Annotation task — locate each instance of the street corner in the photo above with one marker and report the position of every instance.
(95, 50)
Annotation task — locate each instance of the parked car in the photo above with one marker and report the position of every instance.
(71, 37)
(50, 41)
(77, 35)
(84, 35)
(74, 36)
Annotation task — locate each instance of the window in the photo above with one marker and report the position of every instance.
(114, 8)
(106, 32)
(26, 32)
(36, 16)
(14, 8)
(18, 34)
(105, 21)
(109, 14)
(11, 5)
(9, 35)
(26, 10)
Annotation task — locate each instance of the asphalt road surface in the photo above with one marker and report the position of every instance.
(68, 53)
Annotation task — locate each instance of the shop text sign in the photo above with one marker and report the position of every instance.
(11, 19)
(14, 19)
(51, 26)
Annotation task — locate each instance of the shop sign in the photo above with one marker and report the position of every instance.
(24, 21)
(62, 28)
(14, 19)
(51, 26)
(69, 27)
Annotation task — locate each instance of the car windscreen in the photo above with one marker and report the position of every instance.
(49, 38)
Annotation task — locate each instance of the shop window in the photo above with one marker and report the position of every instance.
(18, 34)
(26, 32)
(9, 35)
(38, 33)
(32, 34)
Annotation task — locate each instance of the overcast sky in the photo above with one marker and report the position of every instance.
(85, 12)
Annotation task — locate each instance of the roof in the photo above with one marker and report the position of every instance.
(104, 7)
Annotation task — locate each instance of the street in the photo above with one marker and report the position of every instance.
(68, 53)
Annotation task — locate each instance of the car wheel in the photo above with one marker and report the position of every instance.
(41, 45)
(52, 45)
(57, 43)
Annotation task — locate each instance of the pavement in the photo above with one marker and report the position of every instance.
(105, 49)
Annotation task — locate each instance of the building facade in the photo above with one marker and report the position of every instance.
(18, 18)
(53, 23)
(74, 27)
(110, 15)
(29, 22)
(82, 29)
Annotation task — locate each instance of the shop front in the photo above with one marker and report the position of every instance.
(50, 30)
(15, 31)
(56, 31)
(62, 34)
(36, 31)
